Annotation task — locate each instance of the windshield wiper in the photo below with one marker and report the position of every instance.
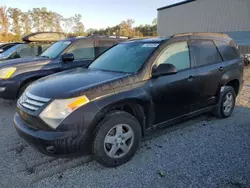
(45, 56)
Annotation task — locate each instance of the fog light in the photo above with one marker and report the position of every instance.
(2, 89)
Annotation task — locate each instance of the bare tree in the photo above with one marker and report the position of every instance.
(15, 17)
(26, 22)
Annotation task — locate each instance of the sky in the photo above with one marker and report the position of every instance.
(98, 13)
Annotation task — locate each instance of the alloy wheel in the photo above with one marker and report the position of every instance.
(119, 141)
(228, 103)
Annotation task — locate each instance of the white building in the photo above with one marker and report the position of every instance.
(227, 16)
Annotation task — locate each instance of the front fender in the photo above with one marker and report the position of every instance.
(136, 96)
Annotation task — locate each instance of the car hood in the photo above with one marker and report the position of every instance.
(22, 61)
(73, 83)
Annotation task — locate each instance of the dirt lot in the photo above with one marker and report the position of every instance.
(203, 152)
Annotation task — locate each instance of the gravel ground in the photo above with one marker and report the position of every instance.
(202, 152)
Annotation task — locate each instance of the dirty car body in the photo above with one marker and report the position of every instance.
(133, 87)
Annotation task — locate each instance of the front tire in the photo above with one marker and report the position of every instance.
(226, 103)
(116, 139)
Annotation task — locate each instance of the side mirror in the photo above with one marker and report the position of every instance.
(68, 57)
(1, 50)
(164, 69)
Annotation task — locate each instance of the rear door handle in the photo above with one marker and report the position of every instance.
(221, 69)
(191, 78)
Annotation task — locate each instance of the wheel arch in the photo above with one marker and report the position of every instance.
(232, 78)
(26, 81)
(139, 108)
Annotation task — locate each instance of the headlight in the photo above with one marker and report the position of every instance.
(5, 73)
(59, 109)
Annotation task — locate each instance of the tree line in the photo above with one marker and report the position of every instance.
(126, 28)
(14, 24)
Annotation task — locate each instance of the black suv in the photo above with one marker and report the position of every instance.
(132, 88)
(17, 74)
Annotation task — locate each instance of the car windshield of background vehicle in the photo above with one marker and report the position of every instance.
(124, 57)
(54, 50)
(7, 46)
(10, 51)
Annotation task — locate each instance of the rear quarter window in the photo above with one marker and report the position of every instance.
(227, 52)
(204, 52)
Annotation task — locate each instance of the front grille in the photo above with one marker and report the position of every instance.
(32, 102)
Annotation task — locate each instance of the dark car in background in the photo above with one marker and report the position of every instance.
(131, 89)
(17, 74)
(34, 44)
(6, 46)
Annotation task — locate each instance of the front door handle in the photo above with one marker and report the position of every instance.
(221, 69)
(191, 78)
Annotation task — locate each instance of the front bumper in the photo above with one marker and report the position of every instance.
(53, 143)
(9, 89)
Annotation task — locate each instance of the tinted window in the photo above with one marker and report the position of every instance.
(204, 52)
(228, 52)
(83, 50)
(101, 49)
(28, 51)
(45, 46)
(124, 57)
(103, 45)
(176, 54)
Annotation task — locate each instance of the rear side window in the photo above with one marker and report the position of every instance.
(228, 52)
(204, 52)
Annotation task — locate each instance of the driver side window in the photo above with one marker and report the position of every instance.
(176, 54)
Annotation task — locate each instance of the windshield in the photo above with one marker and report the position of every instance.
(6, 46)
(54, 50)
(124, 57)
(10, 51)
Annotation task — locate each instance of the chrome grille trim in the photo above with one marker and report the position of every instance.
(42, 99)
(29, 107)
(32, 102)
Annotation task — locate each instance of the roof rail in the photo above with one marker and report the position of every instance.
(107, 36)
(139, 38)
(202, 34)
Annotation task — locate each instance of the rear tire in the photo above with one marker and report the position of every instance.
(116, 139)
(226, 103)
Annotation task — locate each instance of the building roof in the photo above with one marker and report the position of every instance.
(176, 4)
